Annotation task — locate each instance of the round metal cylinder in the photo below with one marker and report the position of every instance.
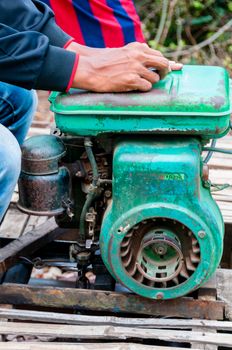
(44, 194)
(41, 154)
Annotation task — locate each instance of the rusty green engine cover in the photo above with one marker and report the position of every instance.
(162, 232)
(192, 101)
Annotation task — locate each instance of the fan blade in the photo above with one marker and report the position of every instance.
(190, 265)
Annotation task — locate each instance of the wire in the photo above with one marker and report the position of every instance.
(210, 153)
(93, 188)
(219, 150)
(212, 147)
(217, 187)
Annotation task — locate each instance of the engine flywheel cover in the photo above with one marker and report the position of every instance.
(160, 257)
(160, 253)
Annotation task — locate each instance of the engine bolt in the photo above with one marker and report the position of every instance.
(159, 296)
(79, 174)
(201, 234)
(108, 194)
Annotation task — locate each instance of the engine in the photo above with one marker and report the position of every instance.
(127, 171)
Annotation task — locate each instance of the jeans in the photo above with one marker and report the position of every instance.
(17, 107)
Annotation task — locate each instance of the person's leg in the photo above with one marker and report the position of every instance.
(10, 164)
(17, 107)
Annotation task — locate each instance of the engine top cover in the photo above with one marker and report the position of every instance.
(193, 101)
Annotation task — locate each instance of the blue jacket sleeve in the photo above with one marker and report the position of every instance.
(32, 15)
(30, 53)
(28, 60)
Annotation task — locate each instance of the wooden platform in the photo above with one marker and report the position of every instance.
(71, 331)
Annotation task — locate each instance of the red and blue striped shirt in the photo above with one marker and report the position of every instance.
(98, 23)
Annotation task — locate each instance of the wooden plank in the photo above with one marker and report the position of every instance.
(221, 160)
(227, 193)
(224, 287)
(4, 319)
(226, 211)
(207, 294)
(15, 198)
(85, 346)
(219, 156)
(225, 205)
(223, 197)
(38, 131)
(29, 242)
(227, 219)
(34, 221)
(110, 332)
(220, 176)
(208, 291)
(222, 163)
(40, 124)
(73, 319)
(13, 224)
(96, 300)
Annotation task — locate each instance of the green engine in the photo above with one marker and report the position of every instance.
(138, 185)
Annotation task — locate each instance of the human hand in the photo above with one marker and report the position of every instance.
(175, 65)
(90, 51)
(120, 69)
(85, 50)
(171, 67)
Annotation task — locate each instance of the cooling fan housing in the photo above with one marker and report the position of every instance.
(162, 234)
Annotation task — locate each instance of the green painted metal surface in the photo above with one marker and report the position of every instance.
(192, 101)
(158, 183)
(162, 233)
